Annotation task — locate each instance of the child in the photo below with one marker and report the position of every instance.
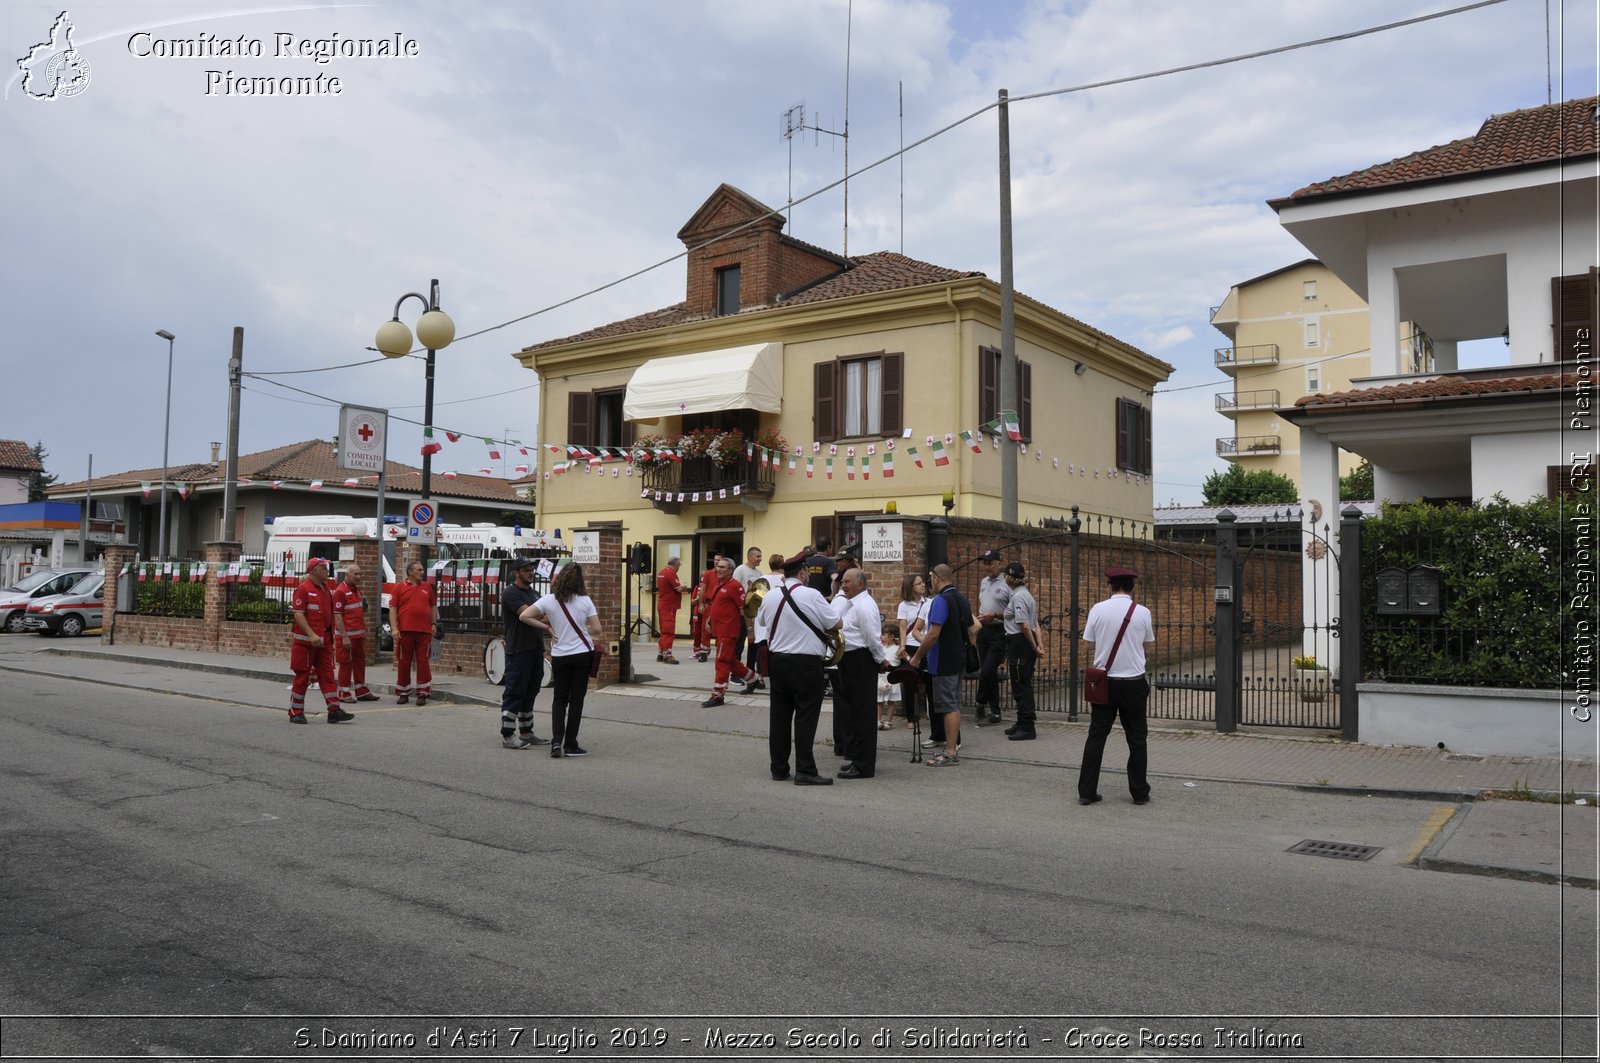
(888, 693)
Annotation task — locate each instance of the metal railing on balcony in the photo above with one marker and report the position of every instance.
(699, 475)
(1254, 354)
(1247, 446)
(1232, 402)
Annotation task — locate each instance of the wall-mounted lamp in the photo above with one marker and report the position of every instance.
(1079, 368)
(891, 506)
(949, 501)
(1505, 335)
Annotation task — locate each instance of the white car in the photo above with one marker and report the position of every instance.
(14, 601)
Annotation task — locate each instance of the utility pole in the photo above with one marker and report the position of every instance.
(1008, 322)
(231, 474)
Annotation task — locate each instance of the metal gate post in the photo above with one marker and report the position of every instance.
(938, 543)
(1074, 634)
(1229, 634)
(1350, 634)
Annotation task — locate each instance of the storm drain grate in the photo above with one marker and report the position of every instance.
(1337, 850)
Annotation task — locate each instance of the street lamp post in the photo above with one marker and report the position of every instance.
(166, 437)
(435, 330)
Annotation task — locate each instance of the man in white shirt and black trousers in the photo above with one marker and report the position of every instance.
(796, 620)
(857, 694)
(1129, 690)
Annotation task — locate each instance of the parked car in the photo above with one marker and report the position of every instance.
(71, 614)
(14, 601)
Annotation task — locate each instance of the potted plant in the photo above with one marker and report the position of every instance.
(1312, 678)
(726, 448)
(646, 452)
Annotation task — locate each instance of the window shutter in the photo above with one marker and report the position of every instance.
(988, 384)
(825, 400)
(892, 414)
(1025, 399)
(1124, 435)
(580, 418)
(1575, 301)
(1146, 423)
(629, 433)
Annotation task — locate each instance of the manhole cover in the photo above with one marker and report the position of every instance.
(1337, 850)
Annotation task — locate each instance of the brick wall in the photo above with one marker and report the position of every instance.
(604, 584)
(768, 265)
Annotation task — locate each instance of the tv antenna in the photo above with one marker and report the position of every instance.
(794, 121)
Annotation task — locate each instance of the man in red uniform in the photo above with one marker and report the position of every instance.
(350, 637)
(414, 615)
(311, 653)
(669, 599)
(699, 607)
(724, 611)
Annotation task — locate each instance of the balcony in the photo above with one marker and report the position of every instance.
(1230, 358)
(1230, 403)
(1235, 447)
(703, 476)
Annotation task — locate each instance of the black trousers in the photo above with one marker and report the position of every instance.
(1128, 700)
(991, 651)
(795, 708)
(524, 673)
(571, 675)
(856, 701)
(1020, 659)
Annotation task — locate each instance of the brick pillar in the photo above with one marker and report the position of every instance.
(604, 584)
(218, 554)
(369, 556)
(884, 577)
(116, 555)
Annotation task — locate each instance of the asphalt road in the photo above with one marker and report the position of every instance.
(170, 855)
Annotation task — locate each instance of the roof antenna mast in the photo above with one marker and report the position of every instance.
(794, 121)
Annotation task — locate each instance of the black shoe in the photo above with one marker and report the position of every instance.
(780, 776)
(574, 751)
(297, 717)
(533, 739)
(1021, 736)
(714, 701)
(340, 716)
(1011, 730)
(850, 771)
(555, 751)
(1145, 800)
(811, 780)
(1090, 800)
(751, 688)
(995, 718)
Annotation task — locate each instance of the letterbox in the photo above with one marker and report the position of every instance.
(1422, 590)
(1392, 596)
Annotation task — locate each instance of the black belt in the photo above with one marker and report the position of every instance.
(856, 649)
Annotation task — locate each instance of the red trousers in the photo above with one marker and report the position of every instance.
(305, 661)
(728, 663)
(352, 666)
(667, 622)
(413, 646)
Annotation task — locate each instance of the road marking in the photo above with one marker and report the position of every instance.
(1430, 830)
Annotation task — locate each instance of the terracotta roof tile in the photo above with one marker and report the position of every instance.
(15, 454)
(312, 459)
(1504, 142)
(1443, 387)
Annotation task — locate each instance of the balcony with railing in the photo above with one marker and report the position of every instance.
(1230, 403)
(678, 482)
(1235, 447)
(1230, 358)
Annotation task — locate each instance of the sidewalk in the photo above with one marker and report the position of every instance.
(1536, 840)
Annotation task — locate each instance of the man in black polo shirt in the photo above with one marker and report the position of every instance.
(524, 659)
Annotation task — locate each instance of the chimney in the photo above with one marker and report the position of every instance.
(216, 452)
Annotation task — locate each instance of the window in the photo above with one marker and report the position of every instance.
(1313, 379)
(728, 290)
(594, 419)
(1310, 290)
(859, 396)
(1575, 300)
(1313, 333)
(989, 390)
(1133, 436)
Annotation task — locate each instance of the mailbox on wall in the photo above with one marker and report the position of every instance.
(1409, 592)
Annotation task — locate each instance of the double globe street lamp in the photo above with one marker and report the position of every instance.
(435, 330)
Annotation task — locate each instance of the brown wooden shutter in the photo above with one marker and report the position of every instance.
(580, 418)
(1575, 300)
(629, 433)
(1025, 399)
(825, 401)
(892, 414)
(1146, 424)
(1125, 445)
(988, 384)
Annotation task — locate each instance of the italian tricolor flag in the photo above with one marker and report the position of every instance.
(888, 466)
(939, 456)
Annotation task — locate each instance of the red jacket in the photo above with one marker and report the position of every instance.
(348, 603)
(317, 605)
(726, 609)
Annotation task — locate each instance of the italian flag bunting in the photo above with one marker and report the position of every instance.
(971, 440)
(888, 466)
(430, 445)
(866, 467)
(316, 485)
(991, 427)
(849, 468)
(916, 459)
(811, 464)
(1013, 428)
(939, 456)
(830, 468)
(454, 437)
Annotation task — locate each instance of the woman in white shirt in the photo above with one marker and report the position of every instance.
(913, 616)
(574, 625)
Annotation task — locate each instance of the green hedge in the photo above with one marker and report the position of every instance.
(1501, 614)
(175, 597)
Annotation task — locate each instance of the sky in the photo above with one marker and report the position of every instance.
(532, 155)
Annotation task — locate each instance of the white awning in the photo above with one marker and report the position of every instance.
(735, 378)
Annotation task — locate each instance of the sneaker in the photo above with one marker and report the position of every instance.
(422, 699)
(347, 699)
(1022, 736)
(514, 742)
(555, 751)
(340, 716)
(714, 701)
(928, 743)
(574, 751)
(754, 685)
(369, 696)
(667, 658)
(297, 717)
(534, 740)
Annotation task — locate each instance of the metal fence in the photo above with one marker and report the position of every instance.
(168, 589)
(256, 596)
(468, 591)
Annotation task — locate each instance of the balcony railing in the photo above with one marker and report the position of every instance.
(1254, 354)
(1230, 402)
(1247, 446)
(693, 476)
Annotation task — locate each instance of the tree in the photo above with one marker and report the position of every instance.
(1237, 487)
(1357, 487)
(38, 479)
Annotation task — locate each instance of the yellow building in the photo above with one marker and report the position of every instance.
(856, 361)
(1295, 331)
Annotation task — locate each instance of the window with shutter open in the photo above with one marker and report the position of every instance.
(580, 418)
(859, 396)
(1133, 437)
(1575, 302)
(989, 390)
